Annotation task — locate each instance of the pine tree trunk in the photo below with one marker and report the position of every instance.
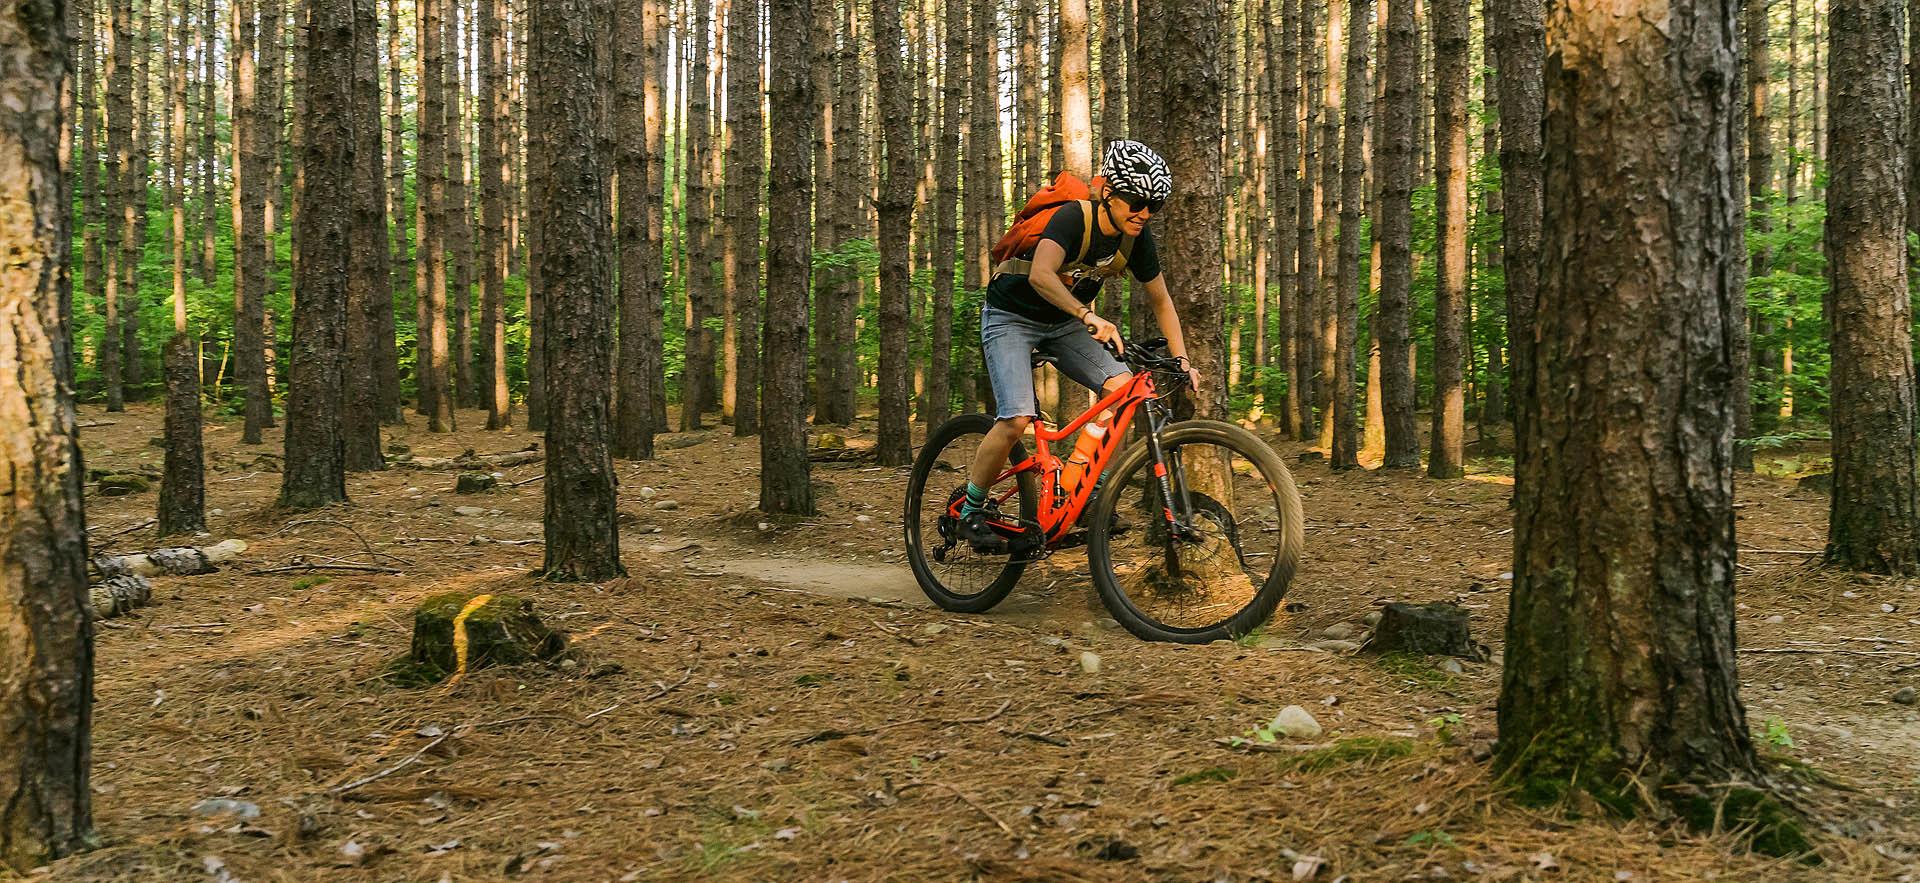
(1284, 85)
(1872, 523)
(698, 392)
(1450, 35)
(1620, 675)
(653, 370)
(895, 445)
(1345, 450)
(947, 203)
(536, 309)
(386, 346)
(1326, 314)
(633, 411)
(1520, 52)
(250, 192)
(119, 227)
(208, 40)
(315, 473)
(745, 146)
(1395, 141)
(369, 294)
(93, 219)
(837, 379)
(432, 364)
(182, 485)
(572, 223)
(1187, 83)
(134, 246)
(46, 675)
(785, 485)
(459, 229)
(1307, 225)
(1759, 164)
(270, 135)
(494, 181)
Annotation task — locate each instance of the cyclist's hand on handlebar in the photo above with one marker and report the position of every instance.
(1193, 375)
(1103, 331)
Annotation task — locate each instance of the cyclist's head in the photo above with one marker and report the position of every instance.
(1137, 175)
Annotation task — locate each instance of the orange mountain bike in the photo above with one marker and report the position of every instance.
(1192, 535)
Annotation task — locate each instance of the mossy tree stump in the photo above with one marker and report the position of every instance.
(457, 632)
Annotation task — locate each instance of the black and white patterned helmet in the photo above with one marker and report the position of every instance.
(1133, 168)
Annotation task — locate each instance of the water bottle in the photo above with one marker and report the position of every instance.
(1075, 469)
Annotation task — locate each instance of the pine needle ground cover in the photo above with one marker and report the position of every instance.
(765, 700)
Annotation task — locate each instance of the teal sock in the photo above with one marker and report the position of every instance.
(975, 501)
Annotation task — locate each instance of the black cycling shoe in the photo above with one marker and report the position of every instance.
(975, 531)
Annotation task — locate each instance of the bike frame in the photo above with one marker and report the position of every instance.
(1060, 510)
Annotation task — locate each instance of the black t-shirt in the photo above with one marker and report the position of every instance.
(1015, 294)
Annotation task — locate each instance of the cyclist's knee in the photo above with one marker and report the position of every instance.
(1116, 381)
(1017, 424)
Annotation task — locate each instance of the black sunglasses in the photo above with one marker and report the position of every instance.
(1137, 203)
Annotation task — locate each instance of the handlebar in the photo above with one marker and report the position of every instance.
(1139, 354)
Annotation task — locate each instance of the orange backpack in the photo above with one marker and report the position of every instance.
(1013, 253)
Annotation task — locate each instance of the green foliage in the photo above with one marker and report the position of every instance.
(1357, 750)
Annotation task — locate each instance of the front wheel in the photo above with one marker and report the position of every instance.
(1222, 572)
(953, 575)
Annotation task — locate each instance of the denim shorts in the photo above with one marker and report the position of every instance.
(1008, 339)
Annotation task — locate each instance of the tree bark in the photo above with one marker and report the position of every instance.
(1327, 183)
(1450, 344)
(1620, 668)
(46, 677)
(181, 507)
(1345, 450)
(1187, 83)
(249, 258)
(633, 414)
(1759, 160)
(895, 445)
(119, 227)
(94, 220)
(1395, 141)
(208, 40)
(369, 294)
(315, 473)
(745, 147)
(1520, 52)
(947, 203)
(654, 371)
(1285, 87)
(494, 181)
(835, 341)
(387, 352)
(1307, 226)
(572, 223)
(459, 217)
(134, 245)
(785, 485)
(698, 384)
(432, 369)
(1872, 522)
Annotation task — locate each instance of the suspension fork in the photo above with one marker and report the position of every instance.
(1176, 521)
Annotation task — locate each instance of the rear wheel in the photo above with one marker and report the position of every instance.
(1223, 575)
(953, 575)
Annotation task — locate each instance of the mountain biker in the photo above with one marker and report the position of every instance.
(1028, 308)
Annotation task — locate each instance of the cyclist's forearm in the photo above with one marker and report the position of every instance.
(1050, 288)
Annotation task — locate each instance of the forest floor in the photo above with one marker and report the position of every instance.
(778, 701)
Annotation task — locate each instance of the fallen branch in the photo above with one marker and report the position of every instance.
(470, 460)
(370, 568)
(1779, 552)
(409, 761)
(144, 522)
(663, 689)
(182, 561)
(1816, 650)
(964, 799)
(539, 477)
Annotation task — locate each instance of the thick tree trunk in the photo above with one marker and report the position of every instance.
(1620, 671)
(1345, 450)
(1395, 141)
(1327, 183)
(1872, 523)
(633, 411)
(785, 485)
(1450, 344)
(181, 507)
(1186, 81)
(369, 276)
(895, 445)
(1520, 52)
(46, 675)
(315, 448)
(572, 222)
(433, 372)
(654, 370)
(745, 148)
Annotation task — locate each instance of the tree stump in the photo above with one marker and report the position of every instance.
(1437, 629)
(457, 632)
